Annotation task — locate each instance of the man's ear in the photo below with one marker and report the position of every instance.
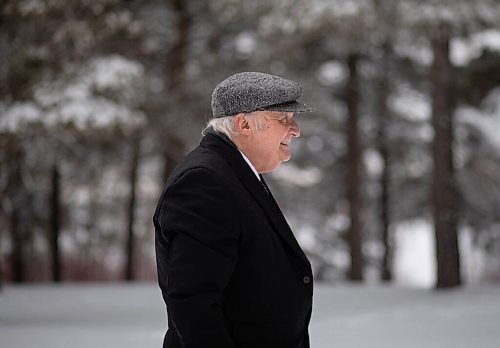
(242, 124)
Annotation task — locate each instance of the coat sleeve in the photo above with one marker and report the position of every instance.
(196, 249)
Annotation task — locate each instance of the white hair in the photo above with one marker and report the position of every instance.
(225, 125)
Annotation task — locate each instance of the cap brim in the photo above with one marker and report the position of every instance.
(292, 106)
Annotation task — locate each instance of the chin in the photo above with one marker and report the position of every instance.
(271, 168)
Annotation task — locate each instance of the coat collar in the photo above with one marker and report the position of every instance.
(224, 146)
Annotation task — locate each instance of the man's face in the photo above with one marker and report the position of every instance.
(271, 138)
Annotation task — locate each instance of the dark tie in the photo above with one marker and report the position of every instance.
(266, 188)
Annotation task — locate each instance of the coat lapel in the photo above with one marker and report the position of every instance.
(256, 189)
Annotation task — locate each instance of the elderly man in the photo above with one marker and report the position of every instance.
(230, 269)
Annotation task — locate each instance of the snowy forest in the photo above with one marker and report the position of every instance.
(99, 99)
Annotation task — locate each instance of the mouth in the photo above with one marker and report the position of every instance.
(285, 142)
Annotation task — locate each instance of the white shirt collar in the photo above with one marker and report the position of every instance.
(250, 164)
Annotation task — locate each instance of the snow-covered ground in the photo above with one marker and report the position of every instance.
(118, 315)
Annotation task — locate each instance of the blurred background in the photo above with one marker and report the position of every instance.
(395, 177)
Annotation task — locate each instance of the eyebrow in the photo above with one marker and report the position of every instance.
(282, 117)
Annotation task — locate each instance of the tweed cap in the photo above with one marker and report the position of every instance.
(255, 91)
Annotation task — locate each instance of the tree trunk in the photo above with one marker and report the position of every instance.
(383, 148)
(17, 256)
(15, 192)
(444, 195)
(1, 256)
(130, 244)
(176, 59)
(55, 225)
(353, 177)
(387, 15)
(176, 63)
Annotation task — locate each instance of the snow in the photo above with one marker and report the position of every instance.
(373, 162)
(464, 50)
(18, 115)
(28, 7)
(414, 258)
(486, 120)
(414, 49)
(291, 174)
(291, 17)
(75, 101)
(133, 315)
(246, 44)
(410, 104)
(356, 316)
(332, 73)
(114, 71)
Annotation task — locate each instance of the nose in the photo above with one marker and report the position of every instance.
(295, 129)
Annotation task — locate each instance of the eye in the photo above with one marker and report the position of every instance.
(284, 120)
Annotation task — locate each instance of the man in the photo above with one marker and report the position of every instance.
(230, 270)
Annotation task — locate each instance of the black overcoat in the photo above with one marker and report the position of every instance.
(230, 270)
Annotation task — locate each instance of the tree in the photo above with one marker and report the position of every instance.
(353, 179)
(442, 22)
(382, 141)
(183, 48)
(13, 207)
(386, 18)
(55, 226)
(135, 148)
(176, 61)
(444, 195)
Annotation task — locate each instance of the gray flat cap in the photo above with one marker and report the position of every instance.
(255, 91)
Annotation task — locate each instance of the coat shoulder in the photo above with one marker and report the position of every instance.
(201, 158)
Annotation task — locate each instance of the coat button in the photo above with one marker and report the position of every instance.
(306, 280)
